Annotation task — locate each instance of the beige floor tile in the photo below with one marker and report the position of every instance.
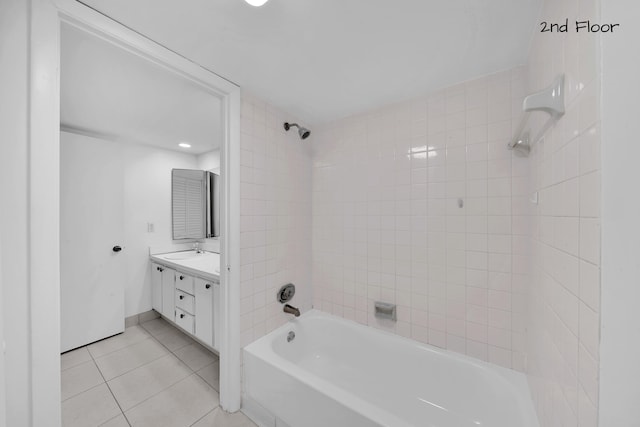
(219, 418)
(130, 336)
(126, 359)
(138, 385)
(180, 405)
(74, 358)
(91, 408)
(119, 421)
(195, 356)
(211, 374)
(173, 339)
(79, 378)
(156, 326)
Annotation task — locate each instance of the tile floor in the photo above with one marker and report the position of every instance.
(151, 375)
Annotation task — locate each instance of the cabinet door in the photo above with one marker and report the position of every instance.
(204, 310)
(168, 290)
(156, 287)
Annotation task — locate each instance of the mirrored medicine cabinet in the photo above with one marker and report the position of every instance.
(195, 204)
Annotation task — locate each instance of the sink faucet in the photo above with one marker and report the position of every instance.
(291, 310)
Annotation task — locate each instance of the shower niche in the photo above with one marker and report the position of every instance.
(195, 204)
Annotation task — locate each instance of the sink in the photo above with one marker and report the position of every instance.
(182, 255)
(206, 262)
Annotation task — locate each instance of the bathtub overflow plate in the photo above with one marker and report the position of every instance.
(286, 293)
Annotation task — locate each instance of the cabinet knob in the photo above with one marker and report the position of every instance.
(160, 269)
(181, 277)
(181, 296)
(207, 286)
(181, 316)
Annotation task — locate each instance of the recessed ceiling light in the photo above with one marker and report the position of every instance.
(184, 145)
(256, 2)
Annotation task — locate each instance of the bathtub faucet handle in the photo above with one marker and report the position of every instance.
(291, 310)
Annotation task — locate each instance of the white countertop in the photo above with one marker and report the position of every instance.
(205, 264)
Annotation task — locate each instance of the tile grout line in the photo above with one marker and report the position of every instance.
(152, 336)
(149, 334)
(199, 419)
(108, 338)
(133, 369)
(180, 348)
(107, 382)
(111, 391)
(161, 391)
(172, 352)
(192, 370)
(192, 373)
(203, 379)
(90, 388)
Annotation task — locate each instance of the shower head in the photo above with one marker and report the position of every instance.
(521, 146)
(303, 132)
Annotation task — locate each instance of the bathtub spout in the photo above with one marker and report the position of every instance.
(291, 310)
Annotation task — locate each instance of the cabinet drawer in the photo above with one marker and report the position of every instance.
(184, 301)
(184, 320)
(184, 282)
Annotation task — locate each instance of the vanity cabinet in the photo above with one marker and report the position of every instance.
(187, 300)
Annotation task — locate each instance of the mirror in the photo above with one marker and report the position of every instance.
(195, 204)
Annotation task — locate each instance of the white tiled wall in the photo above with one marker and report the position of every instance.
(275, 228)
(563, 304)
(421, 204)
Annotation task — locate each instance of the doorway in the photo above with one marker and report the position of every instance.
(47, 21)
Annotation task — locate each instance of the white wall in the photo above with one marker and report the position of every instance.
(147, 199)
(14, 210)
(620, 345)
(210, 161)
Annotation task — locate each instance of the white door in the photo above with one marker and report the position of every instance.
(91, 229)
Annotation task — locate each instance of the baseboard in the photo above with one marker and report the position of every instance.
(136, 319)
(258, 414)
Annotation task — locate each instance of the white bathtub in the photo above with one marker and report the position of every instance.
(337, 373)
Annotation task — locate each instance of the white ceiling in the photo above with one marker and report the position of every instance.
(108, 92)
(321, 60)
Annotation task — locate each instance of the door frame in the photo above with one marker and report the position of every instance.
(47, 16)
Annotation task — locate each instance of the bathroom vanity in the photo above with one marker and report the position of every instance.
(186, 291)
